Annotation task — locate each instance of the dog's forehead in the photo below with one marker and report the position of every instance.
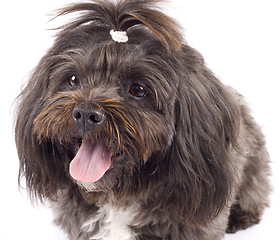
(104, 65)
(99, 57)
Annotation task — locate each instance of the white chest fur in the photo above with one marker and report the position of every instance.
(114, 225)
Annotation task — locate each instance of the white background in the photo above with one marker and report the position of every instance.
(240, 42)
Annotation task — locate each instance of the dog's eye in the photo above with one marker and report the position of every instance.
(74, 82)
(137, 91)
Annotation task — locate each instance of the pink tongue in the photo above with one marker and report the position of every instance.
(91, 162)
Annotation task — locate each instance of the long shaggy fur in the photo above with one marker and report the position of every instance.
(194, 161)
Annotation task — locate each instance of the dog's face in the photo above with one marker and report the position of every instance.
(110, 105)
(127, 118)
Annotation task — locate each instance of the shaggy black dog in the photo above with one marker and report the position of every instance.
(128, 135)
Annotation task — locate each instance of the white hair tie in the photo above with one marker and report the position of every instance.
(119, 36)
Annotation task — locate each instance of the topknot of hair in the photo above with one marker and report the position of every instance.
(124, 14)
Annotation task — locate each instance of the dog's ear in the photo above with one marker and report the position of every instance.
(40, 161)
(207, 122)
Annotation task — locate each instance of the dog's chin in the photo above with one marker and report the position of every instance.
(107, 181)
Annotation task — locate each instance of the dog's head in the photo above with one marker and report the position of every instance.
(128, 114)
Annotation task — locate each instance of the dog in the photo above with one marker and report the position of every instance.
(127, 134)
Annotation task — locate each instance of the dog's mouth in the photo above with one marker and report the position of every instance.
(92, 161)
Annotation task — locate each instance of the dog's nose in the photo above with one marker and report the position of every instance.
(87, 118)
